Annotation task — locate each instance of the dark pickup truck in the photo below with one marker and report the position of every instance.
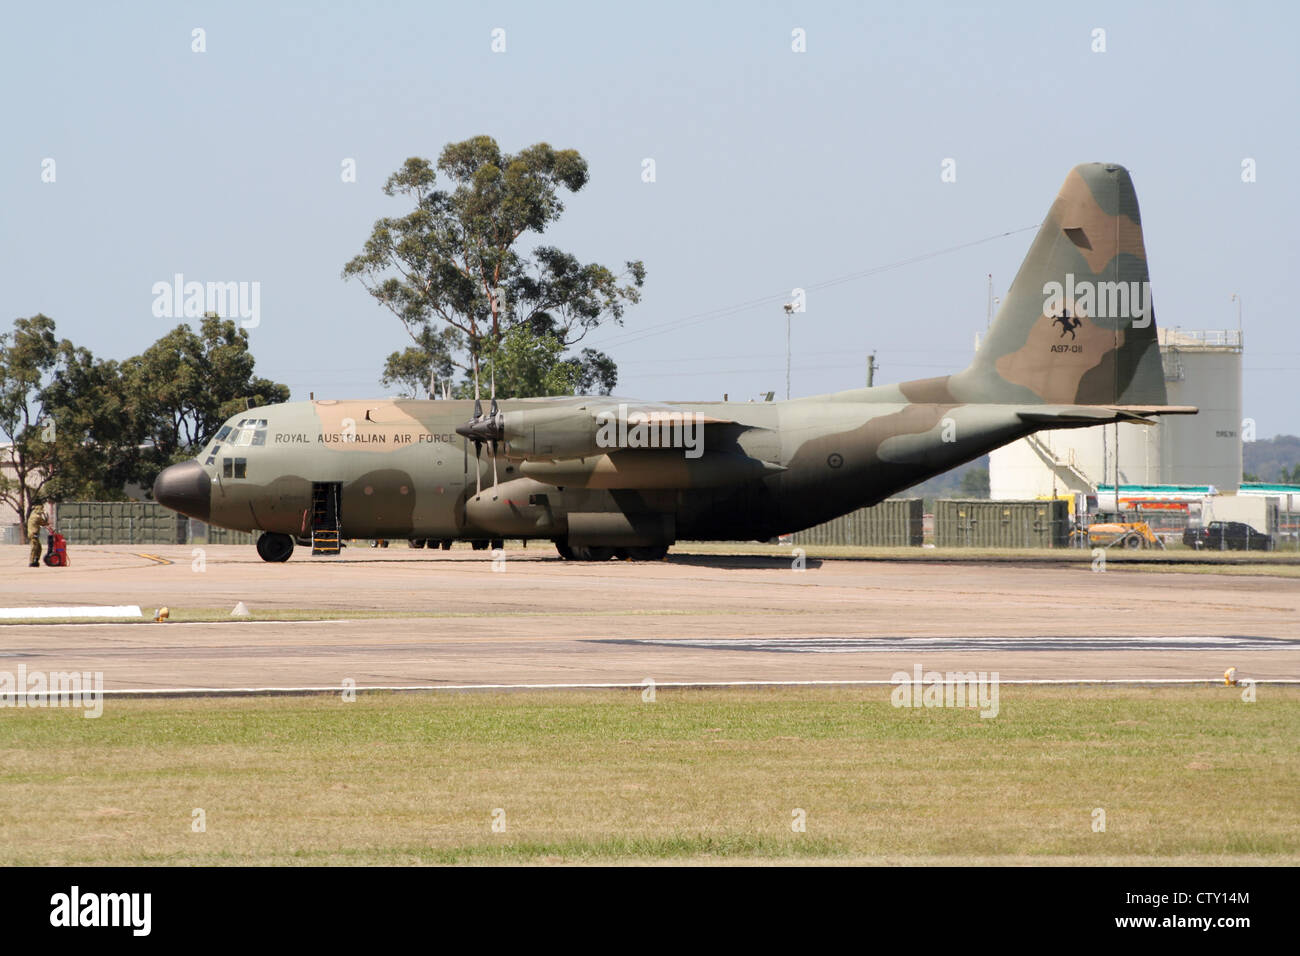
(1227, 536)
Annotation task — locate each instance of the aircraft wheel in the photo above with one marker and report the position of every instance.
(497, 544)
(416, 542)
(275, 547)
(592, 553)
(566, 552)
(446, 545)
(652, 553)
(478, 545)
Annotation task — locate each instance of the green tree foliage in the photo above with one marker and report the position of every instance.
(79, 427)
(1272, 459)
(428, 363)
(975, 483)
(97, 446)
(186, 384)
(452, 272)
(28, 357)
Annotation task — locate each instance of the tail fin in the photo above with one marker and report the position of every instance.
(1077, 326)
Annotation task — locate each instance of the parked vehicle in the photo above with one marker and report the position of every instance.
(1130, 535)
(1227, 536)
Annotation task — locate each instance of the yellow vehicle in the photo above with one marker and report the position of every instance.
(1130, 535)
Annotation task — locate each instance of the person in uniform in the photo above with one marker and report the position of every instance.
(35, 522)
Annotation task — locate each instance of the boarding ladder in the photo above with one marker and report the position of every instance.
(325, 525)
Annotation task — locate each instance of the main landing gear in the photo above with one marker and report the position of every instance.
(600, 553)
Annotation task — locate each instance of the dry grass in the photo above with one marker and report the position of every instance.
(1185, 775)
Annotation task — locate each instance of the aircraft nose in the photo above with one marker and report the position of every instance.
(186, 488)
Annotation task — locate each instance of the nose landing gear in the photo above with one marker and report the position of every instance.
(273, 546)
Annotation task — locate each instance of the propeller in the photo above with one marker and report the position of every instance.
(483, 428)
(492, 447)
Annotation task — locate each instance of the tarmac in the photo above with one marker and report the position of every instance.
(448, 619)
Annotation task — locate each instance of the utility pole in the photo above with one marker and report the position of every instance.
(789, 310)
(871, 369)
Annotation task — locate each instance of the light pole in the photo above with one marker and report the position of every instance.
(1237, 299)
(789, 311)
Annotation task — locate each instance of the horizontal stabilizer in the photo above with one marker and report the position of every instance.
(1068, 416)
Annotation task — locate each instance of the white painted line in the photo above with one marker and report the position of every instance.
(121, 610)
(241, 621)
(641, 685)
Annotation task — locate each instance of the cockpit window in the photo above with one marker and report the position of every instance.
(243, 433)
(249, 431)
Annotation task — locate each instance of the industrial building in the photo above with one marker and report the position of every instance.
(1182, 471)
(1202, 368)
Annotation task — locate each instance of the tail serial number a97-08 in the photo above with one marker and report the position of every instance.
(1073, 345)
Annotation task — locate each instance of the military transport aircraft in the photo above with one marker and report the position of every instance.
(604, 477)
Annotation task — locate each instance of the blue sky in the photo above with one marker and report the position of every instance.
(774, 169)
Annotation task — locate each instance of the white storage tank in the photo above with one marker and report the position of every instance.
(1075, 460)
(1201, 369)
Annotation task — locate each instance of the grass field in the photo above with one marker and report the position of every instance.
(1184, 775)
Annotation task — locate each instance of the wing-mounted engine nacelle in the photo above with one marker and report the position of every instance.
(550, 433)
(521, 508)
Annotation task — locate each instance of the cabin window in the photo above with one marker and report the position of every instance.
(241, 467)
(227, 468)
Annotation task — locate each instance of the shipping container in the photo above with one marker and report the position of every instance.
(118, 522)
(1001, 524)
(895, 523)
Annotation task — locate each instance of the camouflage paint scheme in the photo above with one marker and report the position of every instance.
(766, 468)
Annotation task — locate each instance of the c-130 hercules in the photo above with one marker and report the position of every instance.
(604, 477)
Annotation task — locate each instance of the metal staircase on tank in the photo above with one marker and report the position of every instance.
(325, 525)
(1068, 465)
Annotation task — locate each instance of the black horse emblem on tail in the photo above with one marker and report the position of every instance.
(1068, 323)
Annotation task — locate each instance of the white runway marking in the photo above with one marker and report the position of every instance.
(121, 610)
(177, 692)
(850, 645)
